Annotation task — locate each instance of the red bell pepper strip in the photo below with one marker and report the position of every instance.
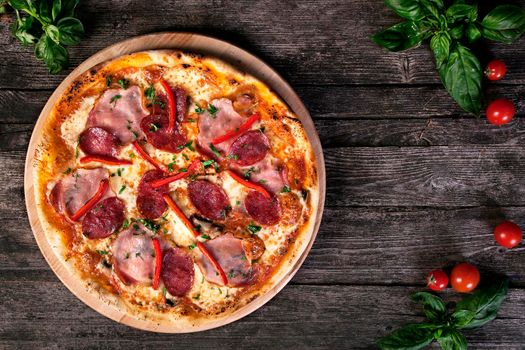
(173, 206)
(104, 184)
(105, 160)
(158, 263)
(232, 133)
(166, 180)
(171, 105)
(147, 157)
(249, 184)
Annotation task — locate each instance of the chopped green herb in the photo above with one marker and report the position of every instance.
(212, 110)
(231, 274)
(131, 155)
(183, 170)
(249, 172)
(114, 99)
(205, 237)
(233, 156)
(185, 156)
(138, 255)
(192, 246)
(76, 148)
(190, 120)
(197, 228)
(124, 83)
(238, 202)
(153, 127)
(150, 92)
(127, 255)
(149, 224)
(262, 181)
(199, 110)
(108, 80)
(119, 171)
(215, 150)
(286, 189)
(207, 163)
(102, 252)
(136, 227)
(197, 296)
(220, 291)
(68, 171)
(253, 228)
(125, 224)
(187, 145)
(170, 166)
(122, 189)
(164, 292)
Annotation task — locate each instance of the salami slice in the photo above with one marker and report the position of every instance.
(103, 219)
(249, 148)
(98, 142)
(150, 203)
(209, 199)
(155, 128)
(134, 255)
(263, 210)
(177, 271)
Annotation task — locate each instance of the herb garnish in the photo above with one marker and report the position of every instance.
(108, 81)
(153, 127)
(199, 110)
(125, 224)
(114, 99)
(212, 110)
(187, 145)
(192, 246)
(102, 252)
(68, 171)
(253, 228)
(249, 172)
(149, 224)
(214, 150)
(285, 189)
(124, 83)
(122, 188)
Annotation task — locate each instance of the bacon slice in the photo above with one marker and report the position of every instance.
(120, 112)
(215, 125)
(269, 173)
(235, 261)
(134, 255)
(74, 190)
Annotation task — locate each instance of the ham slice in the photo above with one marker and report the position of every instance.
(120, 112)
(231, 255)
(134, 255)
(75, 189)
(213, 126)
(268, 173)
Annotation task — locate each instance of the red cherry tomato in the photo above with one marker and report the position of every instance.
(464, 277)
(500, 111)
(508, 234)
(437, 280)
(496, 70)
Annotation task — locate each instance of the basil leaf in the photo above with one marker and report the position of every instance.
(20, 4)
(472, 32)
(459, 12)
(440, 45)
(54, 55)
(409, 9)
(44, 11)
(71, 30)
(21, 30)
(401, 36)
(505, 23)
(53, 33)
(57, 6)
(461, 76)
(452, 339)
(485, 303)
(461, 318)
(68, 7)
(429, 8)
(433, 306)
(456, 32)
(409, 337)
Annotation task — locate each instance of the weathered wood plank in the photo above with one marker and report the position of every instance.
(324, 102)
(309, 42)
(329, 317)
(354, 245)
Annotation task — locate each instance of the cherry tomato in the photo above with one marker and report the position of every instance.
(464, 277)
(500, 111)
(508, 234)
(437, 280)
(496, 70)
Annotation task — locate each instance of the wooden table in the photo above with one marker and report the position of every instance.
(413, 182)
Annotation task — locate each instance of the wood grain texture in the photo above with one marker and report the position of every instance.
(310, 42)
(330, 323)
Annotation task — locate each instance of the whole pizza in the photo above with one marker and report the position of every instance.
(174, 186)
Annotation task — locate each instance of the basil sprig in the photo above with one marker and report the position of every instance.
(444, 325)
(450, 29)
(50, 26)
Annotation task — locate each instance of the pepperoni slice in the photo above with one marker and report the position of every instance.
(150, 203)
(263, 210)
(104, 218)
(249, 148)
(99, 142)
(209, 199)
(155, 128)
(177, 271)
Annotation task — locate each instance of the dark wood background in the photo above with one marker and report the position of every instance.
(413, 182)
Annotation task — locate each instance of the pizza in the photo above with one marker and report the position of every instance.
(174, 187)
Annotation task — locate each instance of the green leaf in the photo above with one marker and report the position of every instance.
(21, 30)
(57, 6)
(456, 32)
(20, 4)
(459, 12)
(401, 36)
(440, 45)
(452, 339)
(429, 8)
(461, 76)
(472, 32)
(461, 318)
(409, 337)
(45, 11)
(409, 9)
(505, 23)
(433, 306)
(53, 33)
(71, 30)
(54, 55)
(484, 303)
(68, 7)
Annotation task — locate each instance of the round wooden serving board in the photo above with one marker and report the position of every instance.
(238, 58)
